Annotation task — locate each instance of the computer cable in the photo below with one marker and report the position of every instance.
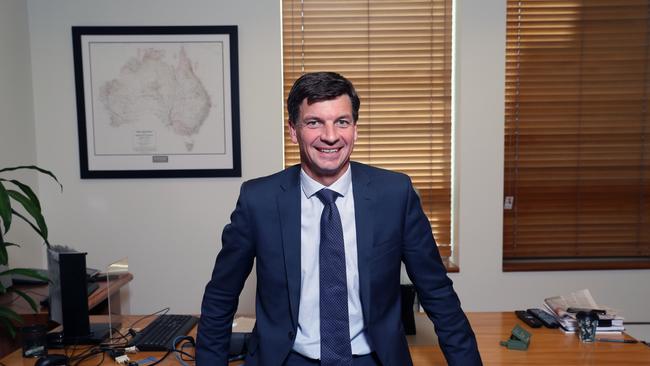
(160, 359)
(91, 352)
(178, 353)
(190, 357)
(159, 312)
(101, 360)
(86, 351)
(114, 349)
(70, 351)
(112, 342)
(85, 354)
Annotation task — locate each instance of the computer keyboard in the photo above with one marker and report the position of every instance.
(159, 335)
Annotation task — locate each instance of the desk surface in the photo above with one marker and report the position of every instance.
(548, 347)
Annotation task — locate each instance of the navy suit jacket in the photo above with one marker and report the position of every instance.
(391, 228)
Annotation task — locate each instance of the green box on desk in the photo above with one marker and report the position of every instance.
(519, 339)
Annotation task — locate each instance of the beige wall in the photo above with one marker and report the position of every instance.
(17, 136)
(170, 229)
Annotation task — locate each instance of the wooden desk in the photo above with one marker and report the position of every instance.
(97, 304)
(548, 347)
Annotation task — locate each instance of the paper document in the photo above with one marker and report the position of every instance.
(558, 305)
(578, 299)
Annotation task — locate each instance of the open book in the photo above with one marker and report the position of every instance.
(558, 306)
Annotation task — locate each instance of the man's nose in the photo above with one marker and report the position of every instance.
(329, 133)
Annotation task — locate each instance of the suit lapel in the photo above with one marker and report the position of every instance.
(364, 199)
(289, 210)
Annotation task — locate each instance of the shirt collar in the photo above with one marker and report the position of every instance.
(310, 186)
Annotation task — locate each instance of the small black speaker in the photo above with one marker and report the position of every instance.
(408, 301)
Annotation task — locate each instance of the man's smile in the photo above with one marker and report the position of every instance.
(328, 150)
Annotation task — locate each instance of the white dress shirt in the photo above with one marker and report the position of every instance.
(307, 340)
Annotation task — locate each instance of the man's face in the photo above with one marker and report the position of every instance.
(325, 133)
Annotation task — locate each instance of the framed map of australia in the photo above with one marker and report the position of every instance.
(157, 102)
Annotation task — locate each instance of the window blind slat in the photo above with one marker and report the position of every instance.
(398, 55)
(577, 134)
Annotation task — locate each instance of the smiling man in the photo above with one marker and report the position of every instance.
(328, 236)
(325, 132)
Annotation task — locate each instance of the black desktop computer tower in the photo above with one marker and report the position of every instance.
(74, 300)
(69, 298)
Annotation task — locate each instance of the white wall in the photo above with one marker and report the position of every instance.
(17, 139)
(170, 229)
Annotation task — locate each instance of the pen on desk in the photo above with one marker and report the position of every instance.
(614, 340)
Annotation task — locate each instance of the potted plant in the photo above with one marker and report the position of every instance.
(18, 200)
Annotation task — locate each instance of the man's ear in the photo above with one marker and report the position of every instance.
(293, 133)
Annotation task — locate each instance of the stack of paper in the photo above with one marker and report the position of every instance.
(558, 306)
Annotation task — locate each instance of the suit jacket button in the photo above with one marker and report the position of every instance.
(290, 335)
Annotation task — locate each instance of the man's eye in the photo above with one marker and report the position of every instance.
(312, 124)
(343, 123)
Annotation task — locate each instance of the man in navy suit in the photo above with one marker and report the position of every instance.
(277, 223)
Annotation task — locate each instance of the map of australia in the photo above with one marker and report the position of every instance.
(150, 87)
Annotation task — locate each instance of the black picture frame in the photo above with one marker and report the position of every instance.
(157, 101)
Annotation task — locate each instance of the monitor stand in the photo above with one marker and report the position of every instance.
(99, 332)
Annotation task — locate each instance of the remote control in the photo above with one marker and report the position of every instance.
(528, 319)
(547, 319)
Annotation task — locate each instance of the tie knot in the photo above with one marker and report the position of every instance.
(327, 196)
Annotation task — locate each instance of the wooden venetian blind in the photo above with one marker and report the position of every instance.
(577, 135)
(398, 55)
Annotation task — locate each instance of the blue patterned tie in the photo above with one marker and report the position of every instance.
(335, 349)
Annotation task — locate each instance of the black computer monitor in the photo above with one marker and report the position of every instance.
(69, 297)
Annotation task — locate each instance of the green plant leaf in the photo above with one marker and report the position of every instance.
(4, 256)
(7, 313)
(33, 216)
(25, 272)
(5, 208)
(9, 326)
(32, 209)
(32, 225)
(28, 192)
(6, 316)
(27, 298)
(34, 167)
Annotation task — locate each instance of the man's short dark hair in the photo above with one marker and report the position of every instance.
(318, 87)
